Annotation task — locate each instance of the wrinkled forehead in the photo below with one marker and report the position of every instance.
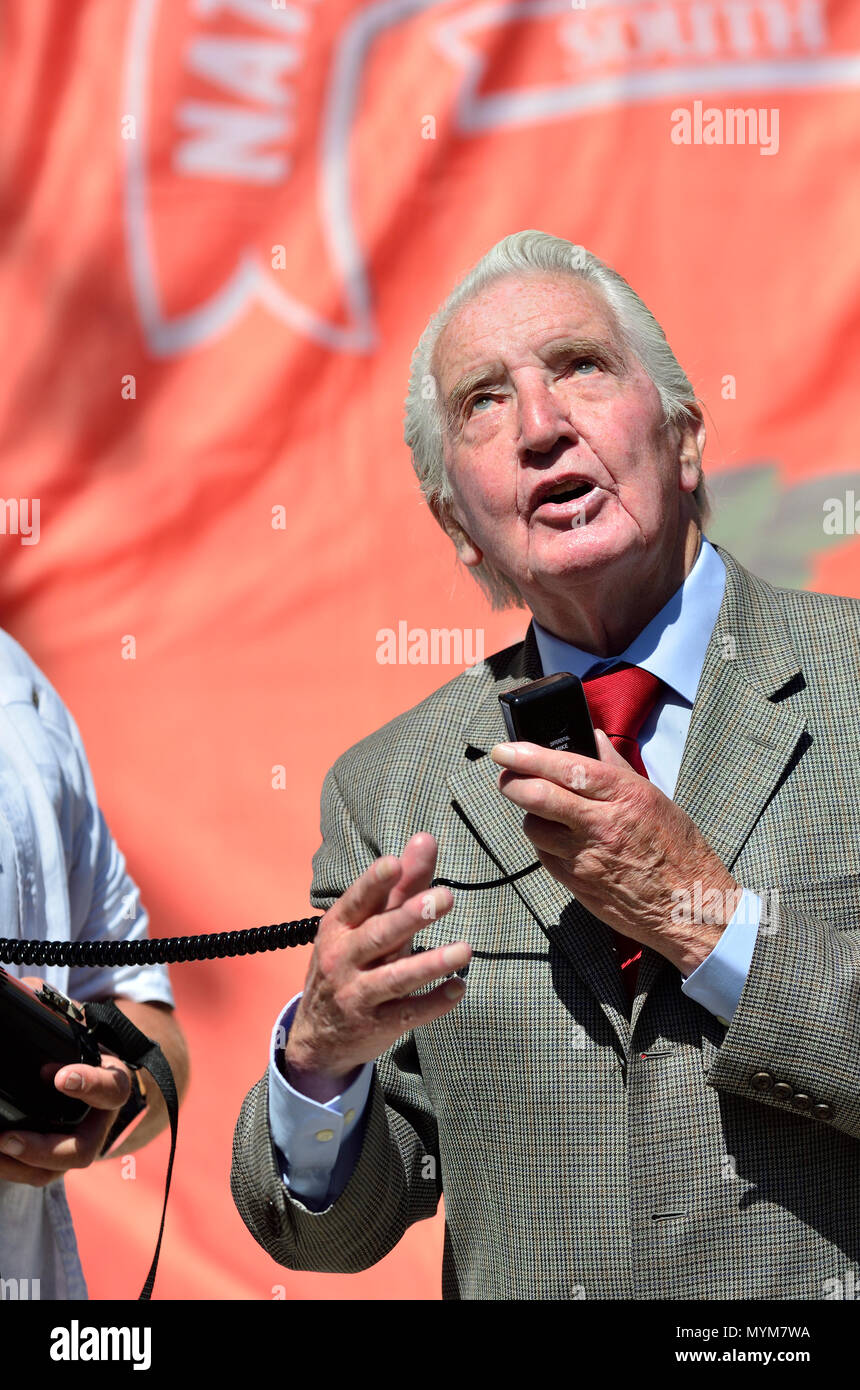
(518, 315)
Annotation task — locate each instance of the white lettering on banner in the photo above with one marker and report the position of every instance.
(243, 69)
(237, 118)
(647, 33)
(225, 144)
(620, 52)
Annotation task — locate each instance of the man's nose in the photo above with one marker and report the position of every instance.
(541, 417)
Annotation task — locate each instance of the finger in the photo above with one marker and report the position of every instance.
(367, 895)
(608, 752)
(105, 1088)
(56, 1153)
(548, 800)
(417, 863)
(392, 932)
(597, 781)
(25, 1174)
(559, 867)
(403, 977)
(551, 839)
(423, 1008)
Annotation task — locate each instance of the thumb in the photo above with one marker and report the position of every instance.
(106, 1088)
(607, 750)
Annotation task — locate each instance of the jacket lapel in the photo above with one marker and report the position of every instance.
(738, 746)
(498, 826)
(741, 739)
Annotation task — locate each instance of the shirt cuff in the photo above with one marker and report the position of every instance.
(308, 1134)
(718, 982)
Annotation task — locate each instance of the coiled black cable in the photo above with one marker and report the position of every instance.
(167, 950)
(164, 950)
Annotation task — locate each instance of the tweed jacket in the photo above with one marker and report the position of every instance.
(582, 1153)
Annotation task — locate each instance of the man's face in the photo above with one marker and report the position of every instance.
(558, 461)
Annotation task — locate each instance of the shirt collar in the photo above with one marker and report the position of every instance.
(673, 644)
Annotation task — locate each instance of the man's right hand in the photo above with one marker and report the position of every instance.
(356, 1000)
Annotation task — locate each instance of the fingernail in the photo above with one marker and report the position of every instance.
(454, 989)
(11, 1145)
(451, 955)
(386, 868)
(73, 1082)
(510, 752)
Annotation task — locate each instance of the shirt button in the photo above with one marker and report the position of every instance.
(782, 1091)
(324, 1134)
(349, 1117)
(762, 1080)
(822, 1112)
(802, 1100)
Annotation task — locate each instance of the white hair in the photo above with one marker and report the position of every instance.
(525, 253)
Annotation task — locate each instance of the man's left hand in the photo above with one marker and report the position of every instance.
(625, 851)
(39, 1159)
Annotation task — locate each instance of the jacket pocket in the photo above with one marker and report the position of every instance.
(833, 901)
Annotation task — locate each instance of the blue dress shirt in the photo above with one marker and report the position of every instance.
(318, 1145)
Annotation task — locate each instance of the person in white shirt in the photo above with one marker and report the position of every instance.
(63, 878)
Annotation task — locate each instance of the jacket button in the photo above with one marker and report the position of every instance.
(762, 1080)
(782, 1091)
(801, 1100)
(822, 1111)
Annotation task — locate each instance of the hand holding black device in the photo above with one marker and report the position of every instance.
(552, 712)
(40, 1032)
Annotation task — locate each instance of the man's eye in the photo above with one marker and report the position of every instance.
(476, 400)
(585, 362)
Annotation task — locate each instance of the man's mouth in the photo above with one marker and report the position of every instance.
(565, 492)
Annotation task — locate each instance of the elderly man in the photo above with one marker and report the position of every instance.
(626, 1047)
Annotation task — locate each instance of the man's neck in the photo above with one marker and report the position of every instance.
(604, 617)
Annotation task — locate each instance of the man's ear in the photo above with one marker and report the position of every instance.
(467, 551)
(691, 446)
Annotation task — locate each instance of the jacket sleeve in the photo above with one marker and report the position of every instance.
(397, 1179)
(794, 1040)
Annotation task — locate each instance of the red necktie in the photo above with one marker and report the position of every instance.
(620, 701)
